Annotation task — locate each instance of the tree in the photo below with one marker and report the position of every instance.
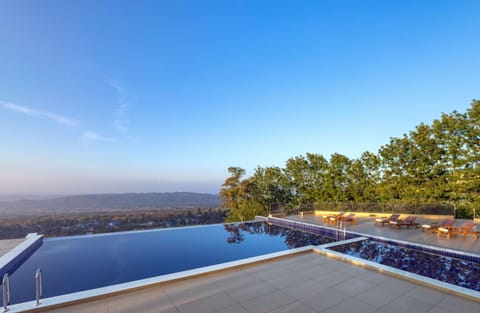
(231, 191)
(437, 162)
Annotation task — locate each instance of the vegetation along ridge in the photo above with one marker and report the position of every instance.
(434, 163)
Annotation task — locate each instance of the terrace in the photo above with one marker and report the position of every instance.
(366, 226)
(8, 244)
(302, 282)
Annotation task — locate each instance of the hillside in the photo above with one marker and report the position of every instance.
(107, 202)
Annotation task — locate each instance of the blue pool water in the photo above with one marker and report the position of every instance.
(457, 271)
(71, 264)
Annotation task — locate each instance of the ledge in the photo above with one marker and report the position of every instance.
(15, 256)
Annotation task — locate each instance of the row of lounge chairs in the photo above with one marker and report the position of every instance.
(340, 218)
(466, 228)
(395, 220)
(445, 228)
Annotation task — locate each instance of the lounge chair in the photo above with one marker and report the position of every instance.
(433, 227)
(385, 220)
(326, 218)
(334, 219)
(348, 219)
(408, 221)
(467, 228)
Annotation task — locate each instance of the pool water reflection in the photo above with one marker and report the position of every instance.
(459, 272)
(71, 264)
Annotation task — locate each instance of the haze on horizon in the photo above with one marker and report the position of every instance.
(157, 96)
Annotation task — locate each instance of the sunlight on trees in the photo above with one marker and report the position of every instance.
(436, 163)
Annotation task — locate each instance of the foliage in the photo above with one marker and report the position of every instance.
(434, 163)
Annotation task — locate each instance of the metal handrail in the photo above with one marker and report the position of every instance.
(6, 292)
(38, 286)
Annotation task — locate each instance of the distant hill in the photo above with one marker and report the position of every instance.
(107, 202)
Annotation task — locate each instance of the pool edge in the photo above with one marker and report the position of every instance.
(418, 279)
(113, 290)
(11, 258)
(421, 280)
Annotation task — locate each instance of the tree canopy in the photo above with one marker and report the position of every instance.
(434, 163)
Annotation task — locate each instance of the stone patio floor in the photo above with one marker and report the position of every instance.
(305, 283)
(366, 225)
(8, 244)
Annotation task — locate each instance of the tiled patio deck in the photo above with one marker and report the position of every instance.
(8, 244)
(305, 283)
(366, 225)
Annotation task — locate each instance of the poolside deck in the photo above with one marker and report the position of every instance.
(366, 225)
(305, 283)
(8, 244)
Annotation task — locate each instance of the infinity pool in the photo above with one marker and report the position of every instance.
(71, 264)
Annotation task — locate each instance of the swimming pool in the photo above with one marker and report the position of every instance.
(463, 271)
(71, 264)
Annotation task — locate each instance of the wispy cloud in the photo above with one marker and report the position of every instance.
(115, 85)
(90, 136)
(119, 117)
(120, 112)
(38, 113)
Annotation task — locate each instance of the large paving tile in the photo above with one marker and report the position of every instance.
(427, 294)
(294, 307)
(373, 276)
(437, 309)
(377, 296)
(244, 281)
(146, 301)
(212, 303)
(325, 299)
(398, 286)
(190, 291)
(317, 270)
(354, 286)
(351, 305)
(333, 278)
(404, 304)
(267, 302)
(99, 306)
(244, 294)
(304, 290)
(285, 280)
(459, 305)
(271, 274)
(236, 308)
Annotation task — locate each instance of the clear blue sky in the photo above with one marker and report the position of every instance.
(115, 96)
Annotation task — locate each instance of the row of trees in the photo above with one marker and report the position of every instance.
(435, 163)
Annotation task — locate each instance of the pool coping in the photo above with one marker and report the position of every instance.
(381, 238)
(9, 259)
